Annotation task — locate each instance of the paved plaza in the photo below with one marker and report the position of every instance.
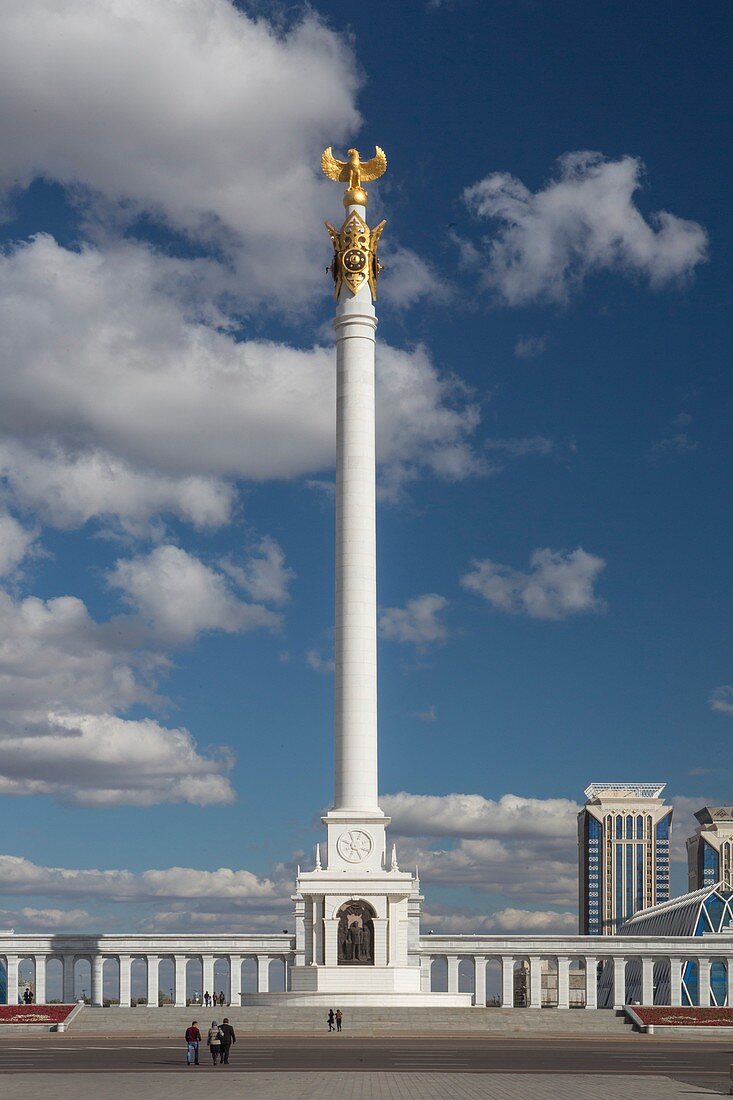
(281, 1067)
(358, 1086)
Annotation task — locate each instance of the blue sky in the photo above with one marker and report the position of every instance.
(554, 443)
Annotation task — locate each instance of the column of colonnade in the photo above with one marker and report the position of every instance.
(125, 961)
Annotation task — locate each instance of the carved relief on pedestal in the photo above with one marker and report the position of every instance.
(354, 845)
(356, 934)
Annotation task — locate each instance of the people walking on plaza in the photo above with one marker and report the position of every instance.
(193, 1038)
(227, 1038)
(214, 1041)
(207, 998)
(222, 998)
(331, 1018)
(339, 1018)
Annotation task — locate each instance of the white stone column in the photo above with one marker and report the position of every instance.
(563, 981)
(703, 982)
(453, 964)
(479, 981)
(675, 982)
(301, 935)
(330, 941)
(68, 978)
(318, 932)
(263, 973)
(425, 968)
(507, 981)
(647, 981)
(380, 940)
(40, 978)
(619, 982)
(235, 979)
(207, 975)
(11, 972)
(729, 983)
(152, 962)
(535, 982)
(98, 980)
(356, 573)
(179, 963)
(125, 975)
(591, 981)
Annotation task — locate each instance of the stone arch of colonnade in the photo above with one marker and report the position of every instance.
(719, 983)
(439, 974)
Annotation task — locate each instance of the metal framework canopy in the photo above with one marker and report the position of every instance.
(696, 914)
(624, 790)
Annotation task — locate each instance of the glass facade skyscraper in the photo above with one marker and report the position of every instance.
(623, 854)
(710, 848)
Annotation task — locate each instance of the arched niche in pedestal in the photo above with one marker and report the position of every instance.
(356, 934)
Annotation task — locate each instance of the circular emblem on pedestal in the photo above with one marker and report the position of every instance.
(354, 259)
(354, 845)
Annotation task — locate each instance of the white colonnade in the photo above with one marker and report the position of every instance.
(519, 965)
(250, 955)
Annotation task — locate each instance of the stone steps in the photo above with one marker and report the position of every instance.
(357, 1021)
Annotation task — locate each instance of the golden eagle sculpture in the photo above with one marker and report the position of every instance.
(354, 172)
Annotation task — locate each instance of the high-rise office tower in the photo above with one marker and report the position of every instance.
(710, 848)
(623, 853)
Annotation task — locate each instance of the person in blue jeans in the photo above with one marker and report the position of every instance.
(193, 1038)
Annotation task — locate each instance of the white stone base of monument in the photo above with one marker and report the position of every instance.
(352, 999)
(355, 979)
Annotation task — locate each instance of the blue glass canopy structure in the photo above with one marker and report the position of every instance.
(704, 912)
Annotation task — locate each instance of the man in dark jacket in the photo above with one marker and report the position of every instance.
(193, 1038)
(227, 1038)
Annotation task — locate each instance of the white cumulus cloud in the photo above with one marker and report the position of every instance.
(23, 877)
(583, 221)
(183, 110)
(472, 815)
(529, 347)
(264, 576)
(120, 400)
(31, 919)
(557, 584)
(721, 699)
(418, 622)
(180, 596)
(15, 543)
(510, 920)
(66, 679)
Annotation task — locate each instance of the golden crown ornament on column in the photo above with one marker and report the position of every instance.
(355, 260)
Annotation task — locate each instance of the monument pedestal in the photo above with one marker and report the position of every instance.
(357, 923)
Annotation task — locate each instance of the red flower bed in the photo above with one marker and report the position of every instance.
(686, 1017)
(34, 1014)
